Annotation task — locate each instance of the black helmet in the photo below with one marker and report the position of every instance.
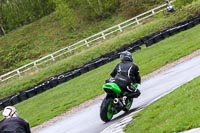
(126, 56)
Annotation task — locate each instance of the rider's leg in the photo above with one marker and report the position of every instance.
(134, 92)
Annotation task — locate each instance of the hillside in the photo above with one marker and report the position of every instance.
(70, 22)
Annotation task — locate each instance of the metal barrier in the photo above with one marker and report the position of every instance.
(87, 42)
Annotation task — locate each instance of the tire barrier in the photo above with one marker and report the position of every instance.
(95, 63)
(15, 99)
(187, 24)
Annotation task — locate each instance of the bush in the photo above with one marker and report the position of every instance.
(65, 14)
(16, 13)
(181, 3)
(131, 8)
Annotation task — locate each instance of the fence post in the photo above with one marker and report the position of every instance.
(86, 42)
(153, 11)
(35, 65)
(137, 21)
(103, 35)
(52, 57)
(120, 28)
(69, 49)
(18, 72)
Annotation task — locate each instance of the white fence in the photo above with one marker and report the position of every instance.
(134, 22)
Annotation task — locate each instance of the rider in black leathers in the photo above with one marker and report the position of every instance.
(126, 73)
(12, 123)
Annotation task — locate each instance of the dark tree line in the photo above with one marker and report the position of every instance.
(16, 13)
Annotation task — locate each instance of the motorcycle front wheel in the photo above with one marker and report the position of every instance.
(106, 112)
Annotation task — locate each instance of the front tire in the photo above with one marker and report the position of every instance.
(106, 112)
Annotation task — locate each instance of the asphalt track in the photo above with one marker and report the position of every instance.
(88, 120)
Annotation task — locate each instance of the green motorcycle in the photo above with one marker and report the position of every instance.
(113, 103)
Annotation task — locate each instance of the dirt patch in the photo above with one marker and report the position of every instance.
(100, 98)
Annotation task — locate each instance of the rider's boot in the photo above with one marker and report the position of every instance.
(124, 100)
(134, 94)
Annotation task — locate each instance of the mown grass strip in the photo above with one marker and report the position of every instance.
(178, 111)
(55, 101)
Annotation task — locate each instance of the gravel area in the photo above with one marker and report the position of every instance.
(100, 98)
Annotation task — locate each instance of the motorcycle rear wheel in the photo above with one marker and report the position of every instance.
(128, 105)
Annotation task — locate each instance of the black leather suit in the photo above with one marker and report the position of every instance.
(14, 125)
(130, 71)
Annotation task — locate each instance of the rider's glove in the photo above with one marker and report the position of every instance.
(136, 85)
(137, 91)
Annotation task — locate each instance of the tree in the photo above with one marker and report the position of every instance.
(131, 8)
(103, 8)
(66, 14)
(2, 31)
(16, 13)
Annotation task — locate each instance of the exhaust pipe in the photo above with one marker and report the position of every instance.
(116, 100)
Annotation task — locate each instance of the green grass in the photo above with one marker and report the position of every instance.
(157, 23)
(88, 85)
(178, 111)
(43, 37)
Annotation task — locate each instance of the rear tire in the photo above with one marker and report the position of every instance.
(106, 112)
(128, 105)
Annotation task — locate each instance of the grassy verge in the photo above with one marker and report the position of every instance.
(178, 111)
(88, 85)
(43, 37)
(157, 23)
